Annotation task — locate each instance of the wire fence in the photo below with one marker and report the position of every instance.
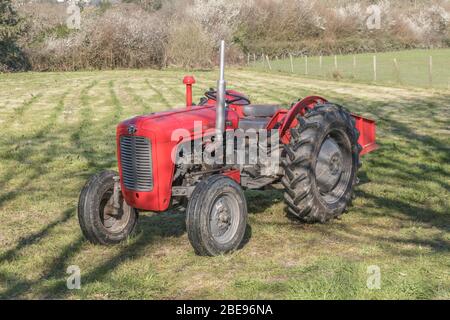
(416, 68)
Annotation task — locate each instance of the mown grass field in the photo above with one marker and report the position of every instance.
(412, 68)
(57, 129)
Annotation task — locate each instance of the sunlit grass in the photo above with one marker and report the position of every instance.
(58, 128)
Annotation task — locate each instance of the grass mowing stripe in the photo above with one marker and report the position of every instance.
(263, 88)
(172, 87)
(53, 117)
(85, 91)
(145, 107)
(118, 108)
(86, 113)
(161, 97)
(19, 151)
(19, 111)
(258, 90)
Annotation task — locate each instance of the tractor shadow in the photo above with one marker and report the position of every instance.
(172, 223)
(152, 229)
(161, 225)
(258, 201)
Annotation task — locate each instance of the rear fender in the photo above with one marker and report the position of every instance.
(366, 127)
(367, 133)
(290, 120)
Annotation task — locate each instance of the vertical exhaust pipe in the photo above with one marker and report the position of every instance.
(221, 91)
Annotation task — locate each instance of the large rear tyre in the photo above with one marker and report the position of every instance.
(99, 222)
(216, 217)
(321, 163)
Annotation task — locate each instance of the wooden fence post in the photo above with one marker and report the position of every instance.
(320, 65)
(335, 62)
(397, 71)
(430, 71)
(292, 63)
(374, 68)
(306, 65)
(268, 62)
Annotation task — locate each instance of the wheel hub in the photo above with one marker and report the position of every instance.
(221, 217)
(224, 216)
(329, 165)
(335, 166)
(113, 219)
(223, 220)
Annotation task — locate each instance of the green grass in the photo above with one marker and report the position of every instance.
(413, 68)
(57, 129)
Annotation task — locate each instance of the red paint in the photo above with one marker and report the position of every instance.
(233, 174)
(366, 127)
(298, 108)
(367, 131)
(188, 81)
(159, 128)
(277, 118)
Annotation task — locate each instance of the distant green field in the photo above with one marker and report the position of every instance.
(412, 67)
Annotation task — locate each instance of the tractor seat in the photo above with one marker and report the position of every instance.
(259, 110)
(253, 123)
(257, 116)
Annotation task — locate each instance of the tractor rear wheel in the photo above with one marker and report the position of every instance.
(100, 222)
(216, 217)
(321, 163)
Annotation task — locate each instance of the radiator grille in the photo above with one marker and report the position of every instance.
(136, 160)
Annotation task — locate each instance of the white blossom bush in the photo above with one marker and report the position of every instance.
(158, 33)
(429, 23)
(218, 18)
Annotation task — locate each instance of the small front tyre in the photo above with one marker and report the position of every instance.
(216, 217)
(100, 222)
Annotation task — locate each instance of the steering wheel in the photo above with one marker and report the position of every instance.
(236, 99)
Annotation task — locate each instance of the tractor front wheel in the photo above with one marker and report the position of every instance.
(216, 217)
(321, 163)
(103, 218)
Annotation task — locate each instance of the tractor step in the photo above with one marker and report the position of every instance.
(256, 183)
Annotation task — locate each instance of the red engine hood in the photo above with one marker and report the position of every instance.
(159, 128)
(164, 123)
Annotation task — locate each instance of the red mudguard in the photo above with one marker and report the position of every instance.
(366, 127)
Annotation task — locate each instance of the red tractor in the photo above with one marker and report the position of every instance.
(321, 144)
